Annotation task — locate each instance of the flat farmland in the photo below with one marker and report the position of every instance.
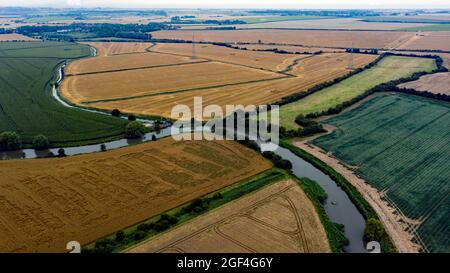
(27, 106)
(124, 62)
(276, 219)
(151, 81)
(262, 60)
(409, 167)
(308, 75)
(45, 203)
(437, 83)
(339, 23)
(290, 48)
(14, 37)
(439, 40)
(388, 69)
(316, 38)
(117, 48)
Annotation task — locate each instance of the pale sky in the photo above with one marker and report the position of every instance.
(295, 4)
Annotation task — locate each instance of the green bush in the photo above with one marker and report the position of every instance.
(41, 142)
(120, 236)
(134, 129)
(374, 230)
(116, 113)
(10, 141)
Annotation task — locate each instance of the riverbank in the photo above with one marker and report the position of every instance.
(395, 223)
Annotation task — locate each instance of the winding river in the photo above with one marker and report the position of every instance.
(338, 206)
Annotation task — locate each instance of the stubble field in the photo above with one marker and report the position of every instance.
(117, 48)
(316, 38)
(436, 83)
(308, 73)
(278, 218)
(46, 203)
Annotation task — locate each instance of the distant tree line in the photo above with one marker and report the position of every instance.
(178, 20)
(130, 31)
(332, 13)
(5, 31)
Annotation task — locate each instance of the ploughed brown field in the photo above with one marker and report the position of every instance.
(151, 81)
(45, 203)
(115, 48)
(262, 60)
(14, 37)
(436, 83)
(316, 38)
(307, 73)
(276, 219)
(124, 62)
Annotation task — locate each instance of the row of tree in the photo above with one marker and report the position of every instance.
(10, 141)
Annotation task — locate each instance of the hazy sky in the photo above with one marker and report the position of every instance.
(406, 4)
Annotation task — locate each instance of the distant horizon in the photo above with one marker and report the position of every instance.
(234, 4)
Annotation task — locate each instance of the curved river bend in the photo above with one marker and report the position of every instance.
(338, 206)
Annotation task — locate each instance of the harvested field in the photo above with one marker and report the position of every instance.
(15, 37)
(262, 60)
(316, 38)
(293, 49)
(125, 62)
(276, 219)
(436, 83)
(264, 92)
(340, 23)
(409, 168)
(151, 81)
(116, 48)
(426, 41)
(45, 203)
(388, 69)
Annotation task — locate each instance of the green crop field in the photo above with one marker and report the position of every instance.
(440, 27)
(26, 104)
(388, 69)
(405, 19)
(401, 144)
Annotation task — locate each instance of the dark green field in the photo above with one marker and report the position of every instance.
(401, 144)
(26, 105)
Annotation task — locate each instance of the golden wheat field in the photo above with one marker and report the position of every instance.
(316, 38)
(124, 62)
(151, 81)
(115, 48)
(263, 60)
(276, 219)
(45, 203)
(309, 72)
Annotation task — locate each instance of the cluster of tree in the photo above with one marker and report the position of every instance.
(278, 161)
(372, 51)
(130, 31)
(10, 141)
(221, 28)
(135, 130)
(374, 231)
(5, 31)
(108, 245)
